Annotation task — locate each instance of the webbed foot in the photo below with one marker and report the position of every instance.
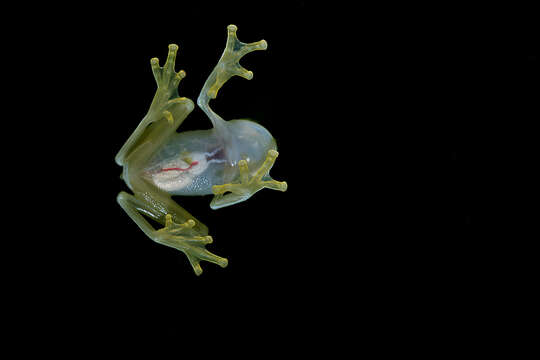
(182, 237)
(248, 185)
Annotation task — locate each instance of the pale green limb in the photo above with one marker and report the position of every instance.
(165, 100)
(227, 67)
(181, 236)
(230, 194)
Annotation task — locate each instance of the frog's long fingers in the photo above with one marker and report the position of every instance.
(206, 255)
(195, 264)
(170, 224)
(274, 185)
(168, 68)
(234, 51)
(182, 229)
(244, 171)
(247, 48)
(199, 240)
(195, 255)
(156, 69)
(165, 76)
(241, 48)
(177, 78)
(241, 71)
(228, 65)
(248, 185)
(221, 189)
(266, 166)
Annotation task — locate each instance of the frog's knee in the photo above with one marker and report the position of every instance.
(122, 197)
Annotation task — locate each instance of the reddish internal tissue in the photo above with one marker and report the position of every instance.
(179, 169)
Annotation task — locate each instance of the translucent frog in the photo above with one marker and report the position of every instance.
(231, 160)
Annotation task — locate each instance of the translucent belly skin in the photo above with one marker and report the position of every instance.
(194, 161)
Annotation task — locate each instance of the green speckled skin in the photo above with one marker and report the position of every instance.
(232, 160)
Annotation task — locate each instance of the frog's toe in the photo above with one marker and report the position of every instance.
(262, 178)
(173, 228)
(225, 188)
(183, 237)
(222, 200)
(195, 264)
(275, 185)
(196, 255)
(171, 58)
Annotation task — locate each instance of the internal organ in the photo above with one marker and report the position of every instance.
(180, 169)
(175, 174)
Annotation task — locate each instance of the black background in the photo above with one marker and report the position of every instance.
(385, 120)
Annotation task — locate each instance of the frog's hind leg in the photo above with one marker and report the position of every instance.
(230, 194)
(190, 236)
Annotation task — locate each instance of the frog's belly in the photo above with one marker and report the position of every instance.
(183, 184)
(177, 177)
(195, 161)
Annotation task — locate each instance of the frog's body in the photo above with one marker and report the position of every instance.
(231, 160)
(191, 162)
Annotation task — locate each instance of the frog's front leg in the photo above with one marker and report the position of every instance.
(166, 104)
(190, 237)
(230, 194)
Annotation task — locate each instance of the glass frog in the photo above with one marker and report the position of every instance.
(231, 160)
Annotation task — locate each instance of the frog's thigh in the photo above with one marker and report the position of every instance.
(135, 208)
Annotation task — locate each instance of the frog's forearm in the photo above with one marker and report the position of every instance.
(131, 141)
